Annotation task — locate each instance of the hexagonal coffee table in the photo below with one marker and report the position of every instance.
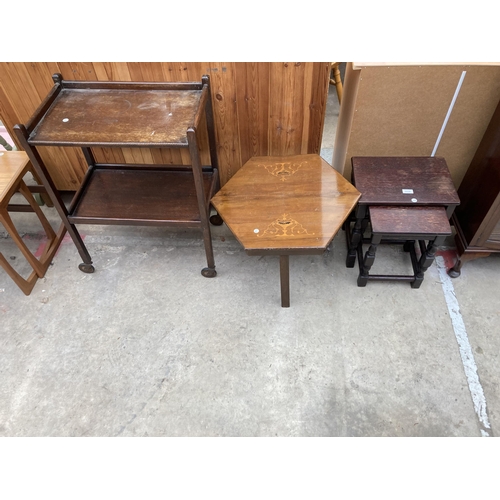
(285, 205)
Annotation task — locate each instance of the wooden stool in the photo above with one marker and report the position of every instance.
(412, 181)
(390, 224)
(13, 166)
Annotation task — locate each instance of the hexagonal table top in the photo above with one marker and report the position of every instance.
(285, 204)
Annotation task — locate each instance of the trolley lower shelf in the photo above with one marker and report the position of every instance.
(141, 196)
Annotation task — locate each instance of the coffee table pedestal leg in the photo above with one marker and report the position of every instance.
(285, 280)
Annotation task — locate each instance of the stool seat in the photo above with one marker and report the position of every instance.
(390, 224)
(405, 180)
(13, 166)
(400, 221)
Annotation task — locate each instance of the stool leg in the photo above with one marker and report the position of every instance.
(354, 238)
(426, 260)
(24, 190)
(53, 240)
(11, 229)
(26, 285)
(408, 245)
(41, 264)
(285, 280)
(368, 260)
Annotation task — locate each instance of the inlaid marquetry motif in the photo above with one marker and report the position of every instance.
(284, 226)
(305, 209)
(283, 170)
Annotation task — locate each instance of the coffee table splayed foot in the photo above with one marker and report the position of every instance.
(285, 205)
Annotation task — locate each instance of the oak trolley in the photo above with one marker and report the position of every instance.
(89, 114)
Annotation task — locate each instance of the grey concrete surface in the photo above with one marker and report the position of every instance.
(477, 291)
(146, 346)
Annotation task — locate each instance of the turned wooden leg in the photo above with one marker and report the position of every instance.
(353, 239)
(426, 260)
(285, 280)
(368, 260)
(408, 245)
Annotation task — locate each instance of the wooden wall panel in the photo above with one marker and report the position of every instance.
(287, 107)
(399, 111)
(252, 82)
(316, 105)
(260, 109)
(223, 84)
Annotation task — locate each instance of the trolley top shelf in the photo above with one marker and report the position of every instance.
(122, 115)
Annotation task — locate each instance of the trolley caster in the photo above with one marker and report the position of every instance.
(208, 272)
(86, 268)
(453, 273)
(216, 220)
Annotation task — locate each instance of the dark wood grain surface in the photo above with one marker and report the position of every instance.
(127, 117)
(139, 196)
(385, 180)
(391, 220)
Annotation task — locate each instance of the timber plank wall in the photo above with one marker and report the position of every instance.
(260, 109)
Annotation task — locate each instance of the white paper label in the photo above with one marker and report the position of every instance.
(407, 191)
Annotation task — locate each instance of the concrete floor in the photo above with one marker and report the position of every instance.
(146, 346)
